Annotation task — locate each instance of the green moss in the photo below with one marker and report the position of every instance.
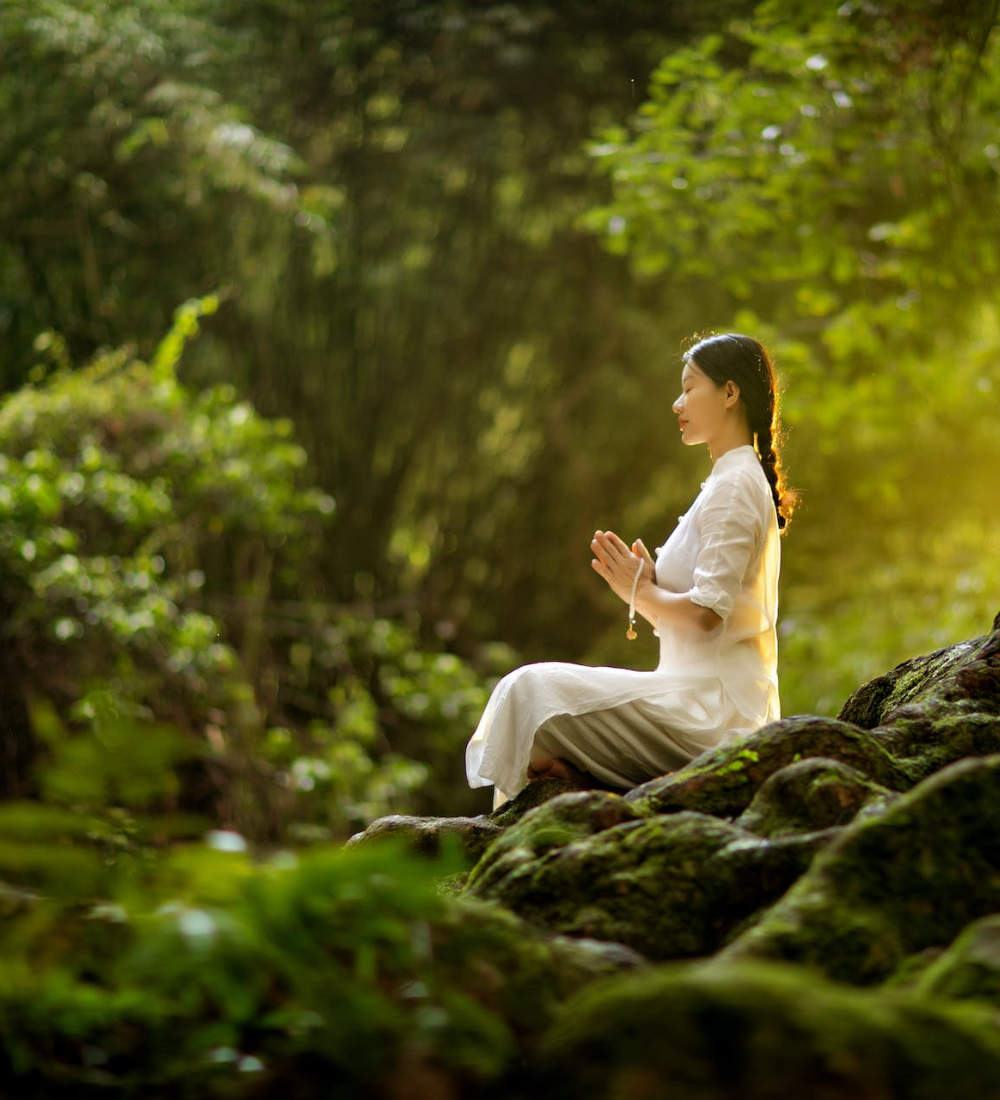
(759, 1032)
(966, 670)
(534, 794)
(970, 968)
(939, 734)
(553, 824)
(811, 794)
(893, 885)
(725, 781)
(671, 886)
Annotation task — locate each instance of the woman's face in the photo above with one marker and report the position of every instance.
(701, 407)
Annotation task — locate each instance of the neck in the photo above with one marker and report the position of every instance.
(732, 436)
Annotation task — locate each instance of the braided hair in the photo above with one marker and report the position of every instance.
(732, 357)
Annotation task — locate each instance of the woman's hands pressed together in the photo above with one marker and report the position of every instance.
(617, 563)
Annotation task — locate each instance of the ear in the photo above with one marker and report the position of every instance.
(732, 393)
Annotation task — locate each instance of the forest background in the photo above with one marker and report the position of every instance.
(330, 332)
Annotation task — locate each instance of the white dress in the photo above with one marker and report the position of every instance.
(624, 726)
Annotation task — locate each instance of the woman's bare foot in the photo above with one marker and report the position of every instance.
(555, 768)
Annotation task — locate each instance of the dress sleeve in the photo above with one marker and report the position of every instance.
(729, 528)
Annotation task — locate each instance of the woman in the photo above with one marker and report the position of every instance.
(711, 596)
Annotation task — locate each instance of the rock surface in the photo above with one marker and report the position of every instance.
(970, 968)
(427, 834)
(893, 884)
(725, 780)
(763, 1032)
(816, 793)
(670, 885)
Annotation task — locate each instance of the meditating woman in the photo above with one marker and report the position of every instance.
(711, 596)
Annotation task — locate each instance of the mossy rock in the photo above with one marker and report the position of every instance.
(552, 824)
(927, 737)
(534, 794)
(966, 673)
(513, 970)
(671, 886)
(893, 885)
(812, 794)
(425, 835)
(723, 782)
(933, 710)
(970, 968)
(759, 1032)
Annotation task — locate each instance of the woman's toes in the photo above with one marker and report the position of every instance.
(556, 768)
(540, 769)
(560, 769)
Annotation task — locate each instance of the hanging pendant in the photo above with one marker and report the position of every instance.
(630, 633)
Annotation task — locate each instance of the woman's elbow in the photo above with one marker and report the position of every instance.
(707, 619)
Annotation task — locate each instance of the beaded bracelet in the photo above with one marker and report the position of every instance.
(630, 633)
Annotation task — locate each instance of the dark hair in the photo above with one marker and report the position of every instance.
(732, 357)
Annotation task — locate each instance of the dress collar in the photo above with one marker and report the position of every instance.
(734, 457)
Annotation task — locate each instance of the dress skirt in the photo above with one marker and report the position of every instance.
(621, 726)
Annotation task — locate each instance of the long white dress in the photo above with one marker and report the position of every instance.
(624, 726)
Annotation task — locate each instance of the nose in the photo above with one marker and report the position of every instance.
(676, 406)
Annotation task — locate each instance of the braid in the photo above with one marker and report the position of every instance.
(772, 471)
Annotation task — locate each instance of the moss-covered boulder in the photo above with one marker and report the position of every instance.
(670, 886)
(966, 675)
(926, 737)
(534, 794)
(933, 710)
(895, 884)
(760, 1032)
(552, 824)
(425, 835)
(517, 972)
(724, 782)
(815, 793)
(970, 968)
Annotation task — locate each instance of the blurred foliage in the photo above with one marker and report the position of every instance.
(150, 538)
(216, 973)
(117, 144)
(388, 191)
(221, 977)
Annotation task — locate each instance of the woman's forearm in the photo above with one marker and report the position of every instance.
(656, 604)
